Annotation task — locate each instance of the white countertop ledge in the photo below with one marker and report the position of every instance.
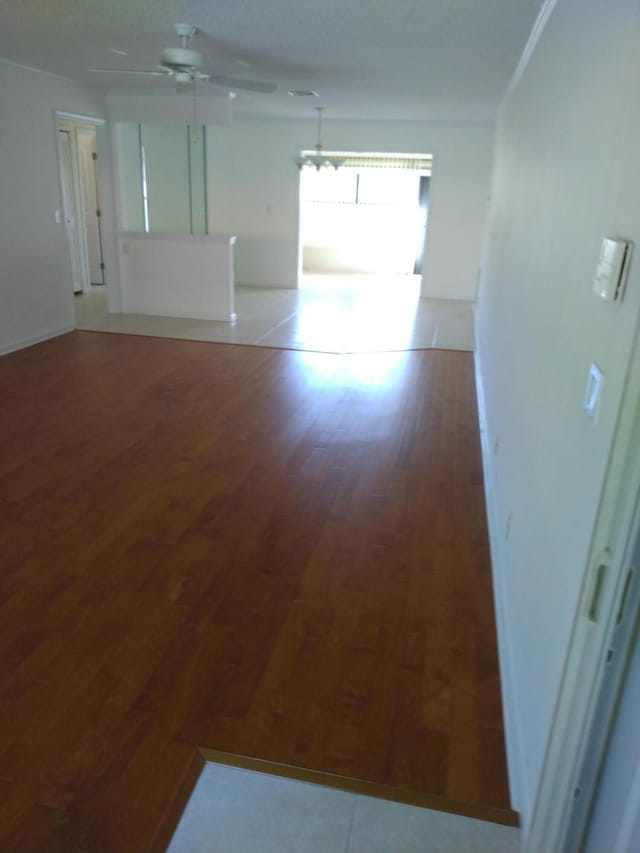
(217, 239)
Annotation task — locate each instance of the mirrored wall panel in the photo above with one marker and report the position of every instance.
(163, 178)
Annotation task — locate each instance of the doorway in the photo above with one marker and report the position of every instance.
(362, 235)
(70, 206)
(369, 217)
(90, 192)
(81, 207)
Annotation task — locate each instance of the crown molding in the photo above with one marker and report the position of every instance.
(37, 70)
(534, 37)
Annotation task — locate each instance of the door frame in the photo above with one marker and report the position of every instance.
(582, 705)
(108, 196)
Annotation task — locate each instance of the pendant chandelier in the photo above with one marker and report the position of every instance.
(319, 159)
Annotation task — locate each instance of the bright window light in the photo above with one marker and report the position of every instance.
(362, 219)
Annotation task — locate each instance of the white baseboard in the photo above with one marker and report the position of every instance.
(5, 349)
(442, 295)
(267, 285)
(520, 800)
(152, 311)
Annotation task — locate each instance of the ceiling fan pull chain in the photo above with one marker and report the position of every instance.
(194, 133)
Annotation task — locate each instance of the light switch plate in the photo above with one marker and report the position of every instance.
(595, 383)
(613, 266)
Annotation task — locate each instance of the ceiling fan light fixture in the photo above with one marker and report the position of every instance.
(182, 57)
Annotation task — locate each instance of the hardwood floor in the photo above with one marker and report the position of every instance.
(271, 553)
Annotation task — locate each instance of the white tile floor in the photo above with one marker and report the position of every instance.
(328, 314)
(241, 811)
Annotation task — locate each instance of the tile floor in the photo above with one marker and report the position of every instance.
(242, 811)
(327, 314)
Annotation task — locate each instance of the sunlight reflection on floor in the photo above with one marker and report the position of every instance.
(364, 370)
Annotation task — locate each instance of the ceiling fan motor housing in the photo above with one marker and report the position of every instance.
(182, 57)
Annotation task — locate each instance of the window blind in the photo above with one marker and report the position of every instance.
(353, 160)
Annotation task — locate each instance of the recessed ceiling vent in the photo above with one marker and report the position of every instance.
(303, 93)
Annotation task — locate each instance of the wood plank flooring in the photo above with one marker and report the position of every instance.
(276, 554)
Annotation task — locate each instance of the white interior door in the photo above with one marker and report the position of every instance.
(69, 205)
(87, 156)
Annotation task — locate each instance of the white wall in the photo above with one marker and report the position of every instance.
(566, 175)
(177, 275)
(254, 193)
(35, 288)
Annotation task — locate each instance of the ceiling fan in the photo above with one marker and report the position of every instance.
(185, 65)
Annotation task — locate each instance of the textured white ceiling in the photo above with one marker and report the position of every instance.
(387, 59)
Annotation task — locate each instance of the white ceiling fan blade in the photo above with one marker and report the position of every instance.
(154, 73)
(240, 83)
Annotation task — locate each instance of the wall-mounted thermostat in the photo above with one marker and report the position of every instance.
(613, 267)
